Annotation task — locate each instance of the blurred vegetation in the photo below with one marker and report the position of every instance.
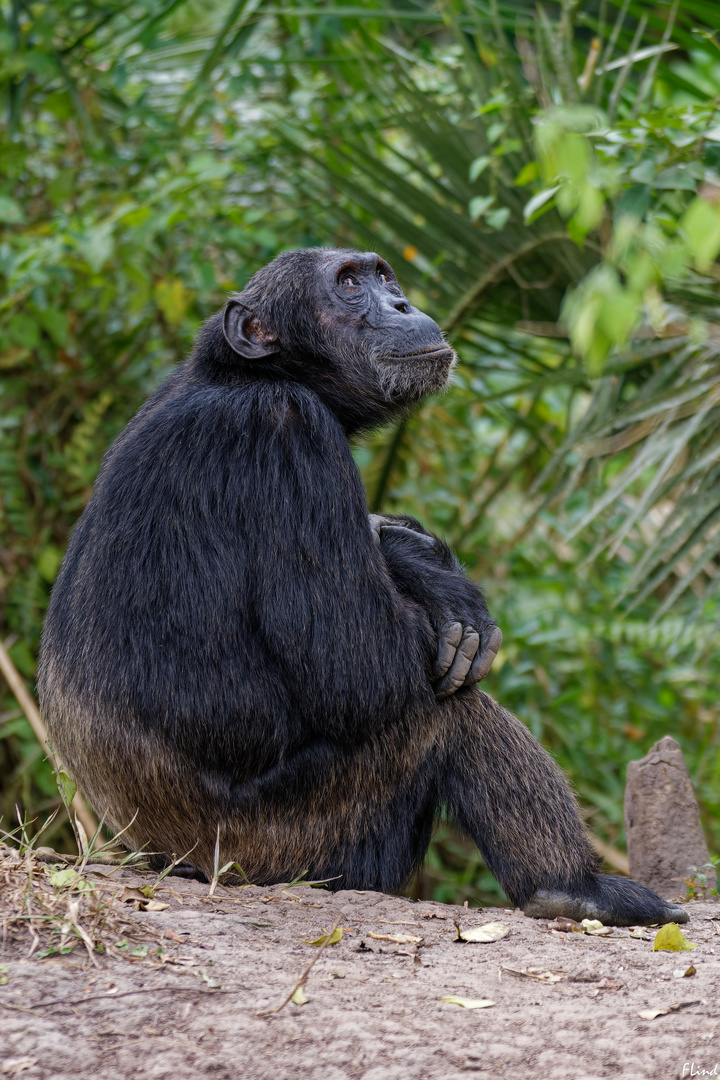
(545, 181)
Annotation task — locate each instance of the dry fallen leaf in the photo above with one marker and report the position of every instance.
(398, 939)
(173, 936)
(546, 976)
(141, 899)
(595, 928)
(13, 1066)
(492, 931)
(670, 938)
(684, 973)
(650, 1014)
(536, 973)
(128, 895)
(300, 997)
(334, 938)
(181, 961)
(468, 1003)
(395, 922)
(641, 933)
(432, 915)
(563, 924)
(591, 924)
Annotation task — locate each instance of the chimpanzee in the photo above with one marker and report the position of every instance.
(235, 649)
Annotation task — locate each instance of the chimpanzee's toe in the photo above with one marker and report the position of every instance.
(615, 901)
(675, 914)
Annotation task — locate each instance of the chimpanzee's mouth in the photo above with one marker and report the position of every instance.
(432, 352)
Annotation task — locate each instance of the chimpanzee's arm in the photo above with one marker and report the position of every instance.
(425, 569)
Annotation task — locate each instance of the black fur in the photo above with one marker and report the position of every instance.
(230, 645)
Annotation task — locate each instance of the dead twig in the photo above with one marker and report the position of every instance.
(303, 977)
(29, 708)
(124, 994)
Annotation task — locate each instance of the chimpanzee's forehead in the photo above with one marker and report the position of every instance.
(334, 256)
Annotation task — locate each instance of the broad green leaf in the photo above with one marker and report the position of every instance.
(701, 226)
(644, 173)
(537, 202)
(670, 938)
(479, 165)
(23, 330)
(527, 174)
(67, 786)
(64, 879)
(479, 205)
(10, 211)
(676, 178)
(172, 297)
(96, 245)
(55, 323)
(48, 564)
(497, 219)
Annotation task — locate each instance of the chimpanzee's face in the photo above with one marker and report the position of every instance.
(369, 321)
(338, 321)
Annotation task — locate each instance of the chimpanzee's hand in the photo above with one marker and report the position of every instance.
(424, 568)
(463, 657)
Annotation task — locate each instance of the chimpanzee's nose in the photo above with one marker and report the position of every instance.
(403, 306)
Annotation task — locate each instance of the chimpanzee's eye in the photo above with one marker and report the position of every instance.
(348, 281)
(384, 279)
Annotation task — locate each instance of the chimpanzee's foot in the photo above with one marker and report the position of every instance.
(615, 901)
(191, 873)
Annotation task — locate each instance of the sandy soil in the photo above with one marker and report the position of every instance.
(189, 1006)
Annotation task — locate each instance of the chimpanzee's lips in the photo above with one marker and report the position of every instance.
(432, 352)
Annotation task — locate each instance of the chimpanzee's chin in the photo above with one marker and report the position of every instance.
(439, 370)
(403, 381)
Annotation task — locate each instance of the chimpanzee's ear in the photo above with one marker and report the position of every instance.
(244, 334)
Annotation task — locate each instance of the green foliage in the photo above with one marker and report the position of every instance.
(548, 189)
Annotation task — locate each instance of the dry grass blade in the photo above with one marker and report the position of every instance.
(54, 908)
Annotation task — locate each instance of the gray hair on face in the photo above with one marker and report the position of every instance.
(397, 381)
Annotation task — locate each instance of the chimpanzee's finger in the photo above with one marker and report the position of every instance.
(423, 537)
(484, 659)
(449, 638)
(460, 666)
(376, 523)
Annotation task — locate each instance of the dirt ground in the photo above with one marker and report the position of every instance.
(179, 992)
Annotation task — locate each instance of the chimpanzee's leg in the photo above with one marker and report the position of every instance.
(384, 854)
(508, 794)
(358, 816)
(362, 814)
